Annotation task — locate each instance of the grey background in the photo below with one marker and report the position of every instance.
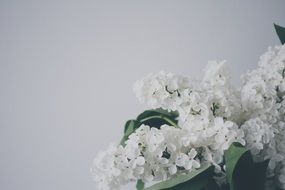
(67, 70)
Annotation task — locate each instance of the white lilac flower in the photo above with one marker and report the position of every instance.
(212, 115)
(222, 96)
(262, 99)
(187, 160)
(162, 90)
(258, 135)
(105, 169)
(153, 154)
(216, 74)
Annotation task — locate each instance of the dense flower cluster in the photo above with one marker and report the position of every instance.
(212, 115)
(262, 98)
(150, 154)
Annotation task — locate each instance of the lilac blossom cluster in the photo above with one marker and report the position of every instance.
(212, 115)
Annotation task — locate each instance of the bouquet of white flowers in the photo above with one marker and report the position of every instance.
(204, 135)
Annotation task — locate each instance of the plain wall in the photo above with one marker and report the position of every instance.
(67, 69)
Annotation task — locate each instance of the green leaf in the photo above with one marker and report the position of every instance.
(158, 117)
(140, 185)
(242, 173)
(194, 180)
(280, 32)
(170, 114)
(260, 174)
(212, 185)
(130, 127)
(232, 158)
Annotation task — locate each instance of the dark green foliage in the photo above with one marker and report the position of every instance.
(158, 117)
(242, 172)
(280, 32)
